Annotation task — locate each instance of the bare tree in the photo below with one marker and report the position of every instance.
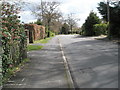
(56, 26)
(71, 21)
(48, 12)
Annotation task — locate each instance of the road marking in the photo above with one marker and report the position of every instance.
(1, 87)
(15, 84)
(69, 76)
(11, 81)
(23, 79)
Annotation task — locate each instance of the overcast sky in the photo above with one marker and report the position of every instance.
(79, 8)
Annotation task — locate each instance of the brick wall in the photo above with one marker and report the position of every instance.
(36, 32)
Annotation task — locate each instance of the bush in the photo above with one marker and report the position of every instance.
(100, 29)
(52, 34)
(13, 37)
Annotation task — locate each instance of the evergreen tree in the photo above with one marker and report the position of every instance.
(91, 20)
(38, 22)
(65, 29)
(114, 17)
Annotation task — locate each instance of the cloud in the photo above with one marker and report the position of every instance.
(81, 8)
(26, 16)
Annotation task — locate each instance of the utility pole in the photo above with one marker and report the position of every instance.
(108, 17)
(41, 10)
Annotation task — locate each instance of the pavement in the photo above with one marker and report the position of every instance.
(44, 70)
(93, 63)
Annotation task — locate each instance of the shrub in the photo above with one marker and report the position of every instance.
(13, 37)
(100, 29)
(88, 26)
(52, 34)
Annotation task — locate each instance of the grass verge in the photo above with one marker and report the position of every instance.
(34, 47)
(43, 40)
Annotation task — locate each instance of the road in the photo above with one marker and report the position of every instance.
(92, 64)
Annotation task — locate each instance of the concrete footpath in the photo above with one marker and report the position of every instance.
(44, 70)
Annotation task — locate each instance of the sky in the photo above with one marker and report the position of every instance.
(79, 8)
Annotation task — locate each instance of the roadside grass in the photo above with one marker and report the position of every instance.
(34, 47)
(38, 47)
(43, 40)
(12, 71)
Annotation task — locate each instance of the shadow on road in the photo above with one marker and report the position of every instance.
(94, 63)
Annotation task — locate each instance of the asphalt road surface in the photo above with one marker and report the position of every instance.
(92, 64)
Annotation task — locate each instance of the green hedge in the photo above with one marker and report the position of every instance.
(14, 43)
(100, 29)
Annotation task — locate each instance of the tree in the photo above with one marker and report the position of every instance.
(38, 22)
(91, 20)
(114, 17)
(65, 28)
(48, 12)
(56, 26)
(100, 29)
(71, 22)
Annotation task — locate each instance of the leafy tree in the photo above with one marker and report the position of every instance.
(65, 28)
(100, 29)
(114, 17)
(91, 20)
(38, 22)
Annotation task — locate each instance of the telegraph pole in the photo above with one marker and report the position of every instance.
(108, 17)
(41, 10)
